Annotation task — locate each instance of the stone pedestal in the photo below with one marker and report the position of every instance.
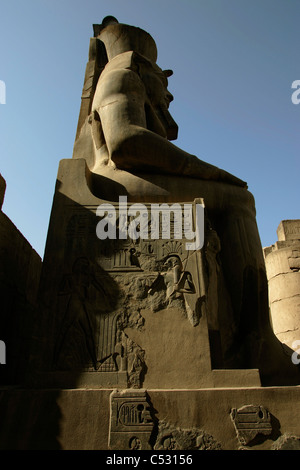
(109, 316)
(207, 419)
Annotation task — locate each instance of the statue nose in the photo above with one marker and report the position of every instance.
(170, 97)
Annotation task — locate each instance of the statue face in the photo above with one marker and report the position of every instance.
(157, 87)
(172, 262)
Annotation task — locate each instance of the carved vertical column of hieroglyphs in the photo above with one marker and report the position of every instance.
(283, 271)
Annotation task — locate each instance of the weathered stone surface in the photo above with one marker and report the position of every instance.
(79, 419)
(287, 442)
(108, 296)
(289, 230)
(131, 420)
(174, 438)
(250, 421)
(283, 272)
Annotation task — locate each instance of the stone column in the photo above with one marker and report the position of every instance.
(283, 265)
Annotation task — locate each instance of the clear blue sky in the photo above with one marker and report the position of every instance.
(233, 60)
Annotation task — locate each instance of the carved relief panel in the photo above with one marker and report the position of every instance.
(109, 283)
(131, 423)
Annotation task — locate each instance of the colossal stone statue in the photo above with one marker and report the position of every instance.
(130, 121)
(122, 326)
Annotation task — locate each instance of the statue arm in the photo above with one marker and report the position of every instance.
(121, 101)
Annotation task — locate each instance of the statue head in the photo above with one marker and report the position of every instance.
(171, 261)
(119, 38)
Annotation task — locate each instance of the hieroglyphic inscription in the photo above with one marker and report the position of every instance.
(131, 422)
(249, 421)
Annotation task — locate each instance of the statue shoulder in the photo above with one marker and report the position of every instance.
(120, 76)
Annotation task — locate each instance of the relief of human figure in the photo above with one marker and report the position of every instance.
(176, 281)
(75, 345)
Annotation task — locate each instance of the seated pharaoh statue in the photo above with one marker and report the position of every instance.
(131, 125)
(124, 134)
